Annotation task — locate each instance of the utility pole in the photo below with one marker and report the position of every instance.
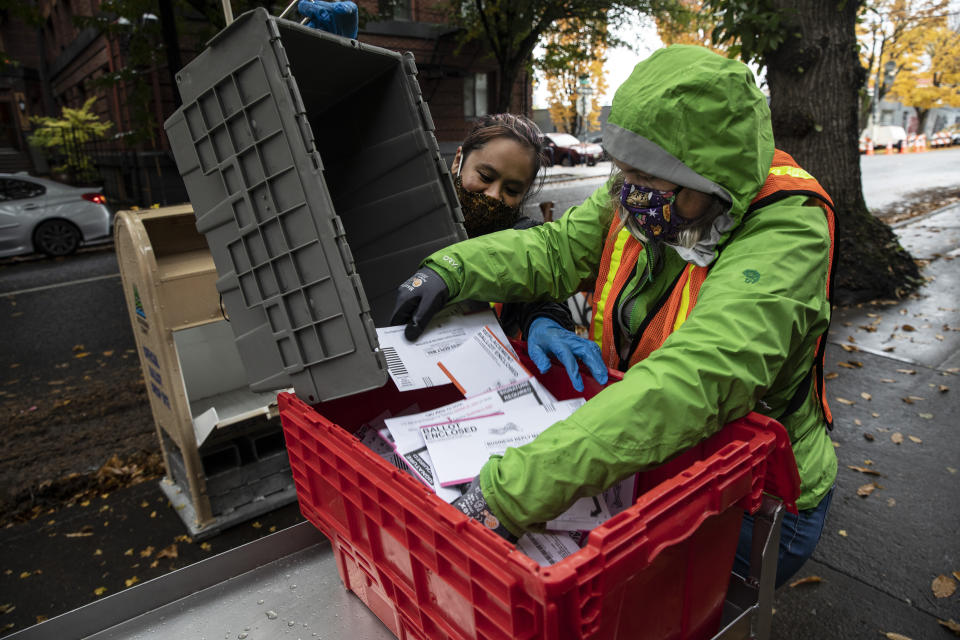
(584, 91)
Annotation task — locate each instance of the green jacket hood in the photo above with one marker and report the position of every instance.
(698, 119)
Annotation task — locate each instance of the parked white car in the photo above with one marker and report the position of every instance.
(44, 216)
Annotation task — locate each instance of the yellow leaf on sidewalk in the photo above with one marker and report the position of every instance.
(943, 586)
(807, 580)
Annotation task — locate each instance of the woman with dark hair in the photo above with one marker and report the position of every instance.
(496, 170)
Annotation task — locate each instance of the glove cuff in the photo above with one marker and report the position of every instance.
(473, 504)
(556, 311)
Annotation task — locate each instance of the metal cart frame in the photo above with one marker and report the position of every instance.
(212, 597)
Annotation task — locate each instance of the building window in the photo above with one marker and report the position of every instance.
(475, 95)
(395, 9)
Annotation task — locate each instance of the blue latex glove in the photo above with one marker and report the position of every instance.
(546, 337)
(339, 18)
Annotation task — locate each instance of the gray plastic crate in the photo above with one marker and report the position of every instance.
(315, 176)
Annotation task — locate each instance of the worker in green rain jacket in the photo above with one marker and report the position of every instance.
(709, 254)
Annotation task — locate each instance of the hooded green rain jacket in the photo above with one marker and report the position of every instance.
(694, 118)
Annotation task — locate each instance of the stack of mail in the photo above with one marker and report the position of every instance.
(504, 406)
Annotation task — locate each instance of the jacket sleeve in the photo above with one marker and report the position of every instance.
(753, 327)
(547, 262)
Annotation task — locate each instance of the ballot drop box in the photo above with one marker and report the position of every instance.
(222, 444)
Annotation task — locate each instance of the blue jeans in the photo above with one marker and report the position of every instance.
(799, 535)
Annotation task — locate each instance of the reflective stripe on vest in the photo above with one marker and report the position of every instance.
(621, 250)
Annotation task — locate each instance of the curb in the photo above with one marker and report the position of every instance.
(921, 218)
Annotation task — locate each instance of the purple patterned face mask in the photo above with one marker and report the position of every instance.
(653, 211)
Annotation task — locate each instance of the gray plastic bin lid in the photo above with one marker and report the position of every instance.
(313, 171)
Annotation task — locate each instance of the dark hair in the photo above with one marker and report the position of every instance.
(513, 126)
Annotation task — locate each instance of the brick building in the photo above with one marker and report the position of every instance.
(61, 64)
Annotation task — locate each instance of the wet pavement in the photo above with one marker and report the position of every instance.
(896, 402)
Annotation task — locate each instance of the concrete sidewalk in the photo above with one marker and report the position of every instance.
(894, 369)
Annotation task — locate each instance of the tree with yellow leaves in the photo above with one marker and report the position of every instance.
(891, 34)
(689, 23)
(930, 69)
(572, 66)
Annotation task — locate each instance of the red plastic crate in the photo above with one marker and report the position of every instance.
(659, 570)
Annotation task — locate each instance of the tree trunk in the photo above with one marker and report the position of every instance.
(814, 82)
(506, 77)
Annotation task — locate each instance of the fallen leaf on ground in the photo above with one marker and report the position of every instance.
(944, 388)
(82, 354)
(870, 472)
(168, 552)
(256, 524)
(24, 574)
(843, 532)
(956, 574)
(887, 380)
(909, 372)
(131, 581)
(868, 436)
(943, 586)
(875, 414)
(915, 439)
(831, 375)
(951, 470)
(953, 625)
(108, 353)
(7, 608)
(849, 347)
(908, 327)
(807, 580)
(128, 552)
(926, 416)
(891, 502)
(911, 399)
(98, 552)
(866, 489)
(897, 636)
(146, 553)
(847, 365)
(896, 437)
(845, 401)
(938, 337)
(99, 591)
(866, 396)
(205, 546)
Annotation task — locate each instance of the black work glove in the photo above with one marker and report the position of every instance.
(473, 505)
(418, 300)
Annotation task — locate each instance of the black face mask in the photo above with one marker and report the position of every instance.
(483, 214)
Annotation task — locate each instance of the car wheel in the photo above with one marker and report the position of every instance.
(56, 238)
(567, 161)
(591, 162)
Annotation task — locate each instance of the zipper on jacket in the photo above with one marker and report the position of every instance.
(625, 362)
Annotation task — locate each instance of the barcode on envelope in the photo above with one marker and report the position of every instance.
(394, 364)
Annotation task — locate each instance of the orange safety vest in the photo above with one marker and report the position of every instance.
(621, 251)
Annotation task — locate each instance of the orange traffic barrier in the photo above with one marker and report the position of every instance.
(869, 147)
(889, 148)
(904, 146)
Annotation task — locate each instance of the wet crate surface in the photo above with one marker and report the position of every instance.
(658, 570)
